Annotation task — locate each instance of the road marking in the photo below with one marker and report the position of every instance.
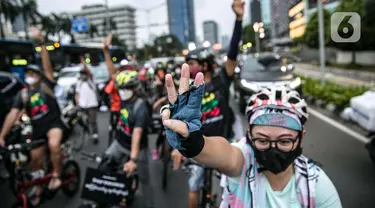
(339, 126)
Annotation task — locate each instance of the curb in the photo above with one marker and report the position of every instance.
(330, 107)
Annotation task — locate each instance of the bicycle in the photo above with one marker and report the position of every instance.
(111, 167)
(207, 199)
(76, 122)
(23, 181)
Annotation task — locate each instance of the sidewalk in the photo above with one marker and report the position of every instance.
(338, 76)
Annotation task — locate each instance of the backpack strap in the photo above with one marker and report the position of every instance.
(47, 90)
(24, 96)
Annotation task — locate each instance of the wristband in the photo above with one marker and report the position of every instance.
(193, 145)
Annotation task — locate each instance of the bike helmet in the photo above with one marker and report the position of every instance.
(34, 68)
(278, 98)
(127, 80)
(125, 65)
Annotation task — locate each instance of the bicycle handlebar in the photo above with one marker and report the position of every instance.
(20, 147)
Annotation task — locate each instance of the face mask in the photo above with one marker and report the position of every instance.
(31, 80)
(275, 160)
(194, 70)
(126, 94)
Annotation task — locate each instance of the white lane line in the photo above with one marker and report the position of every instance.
(339, 126)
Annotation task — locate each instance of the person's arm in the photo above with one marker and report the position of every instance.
(86, 68)
(76, 97)
(139, 125)
(108, 58)
(46, 61)
(218, 153)
(231, 63)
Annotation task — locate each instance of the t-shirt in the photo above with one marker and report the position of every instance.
(87, 94)
(41, 107)
(215, 106)
(111, 89)
(326, 195)
(128, 120)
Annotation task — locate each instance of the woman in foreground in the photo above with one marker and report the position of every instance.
(267, 169)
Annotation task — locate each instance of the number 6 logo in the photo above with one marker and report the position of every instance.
(345, 27)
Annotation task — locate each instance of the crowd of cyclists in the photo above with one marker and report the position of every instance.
(266, 168)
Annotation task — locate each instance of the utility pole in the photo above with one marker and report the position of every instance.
(2, 34)
(321, 41)
(108, 27)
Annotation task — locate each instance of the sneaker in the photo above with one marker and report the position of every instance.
(155, 154)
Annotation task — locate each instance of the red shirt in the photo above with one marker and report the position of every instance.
(111, 89)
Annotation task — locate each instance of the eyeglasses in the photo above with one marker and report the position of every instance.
(284, 145)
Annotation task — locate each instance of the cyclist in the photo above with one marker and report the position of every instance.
(217, 117)
(87, 98)
(131, 136)
(267, 169)
(159, 99)
(111, 90)
(41, 106)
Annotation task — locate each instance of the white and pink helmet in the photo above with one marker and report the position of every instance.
(278, 97)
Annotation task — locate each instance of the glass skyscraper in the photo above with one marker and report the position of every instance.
(265, 6)
(181, 20)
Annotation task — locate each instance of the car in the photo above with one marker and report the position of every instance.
(68, 77)
(263, 70)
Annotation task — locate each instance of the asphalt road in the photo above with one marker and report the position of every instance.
(344, 159)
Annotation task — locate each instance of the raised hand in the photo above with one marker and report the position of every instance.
(184, 113)
(238, 7)
(36, 35)
(107, 42)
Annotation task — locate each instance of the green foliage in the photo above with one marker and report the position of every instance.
(117, 41)
(311, 36)
(248, 35)
(167, 45)
(339, 95)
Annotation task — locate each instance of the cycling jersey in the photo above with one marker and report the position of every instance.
(111, 89)
(132, 115)
(216, 114)
(42, 108)
(309, 187)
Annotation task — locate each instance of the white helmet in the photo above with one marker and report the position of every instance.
(278, 97)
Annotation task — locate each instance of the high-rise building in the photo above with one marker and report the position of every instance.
(210, 32)
(181, 20)
(122, 15)
(280, 20)
(265, 6)
(255, 11)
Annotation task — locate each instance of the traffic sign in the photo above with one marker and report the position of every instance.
(80, 24)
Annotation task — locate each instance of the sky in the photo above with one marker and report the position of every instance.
(217, 10)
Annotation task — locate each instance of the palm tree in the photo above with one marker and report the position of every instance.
(48, 26)
(10, 10)
(112, 24)
(93, 30)
(66, 26)
(29, 9)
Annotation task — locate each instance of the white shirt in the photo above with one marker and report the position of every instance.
(87, 95)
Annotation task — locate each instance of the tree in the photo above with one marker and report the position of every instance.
(248, 35)
(168, 45)
(93, 30)
(66, 26)
(112, 24)
(311, 36)
(48, 26)
(117, 41)
(28, 10)
(10, 10)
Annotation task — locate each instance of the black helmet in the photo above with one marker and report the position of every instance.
(34, 68)
(201, 55)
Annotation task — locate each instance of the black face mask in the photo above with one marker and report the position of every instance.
(275, 160)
